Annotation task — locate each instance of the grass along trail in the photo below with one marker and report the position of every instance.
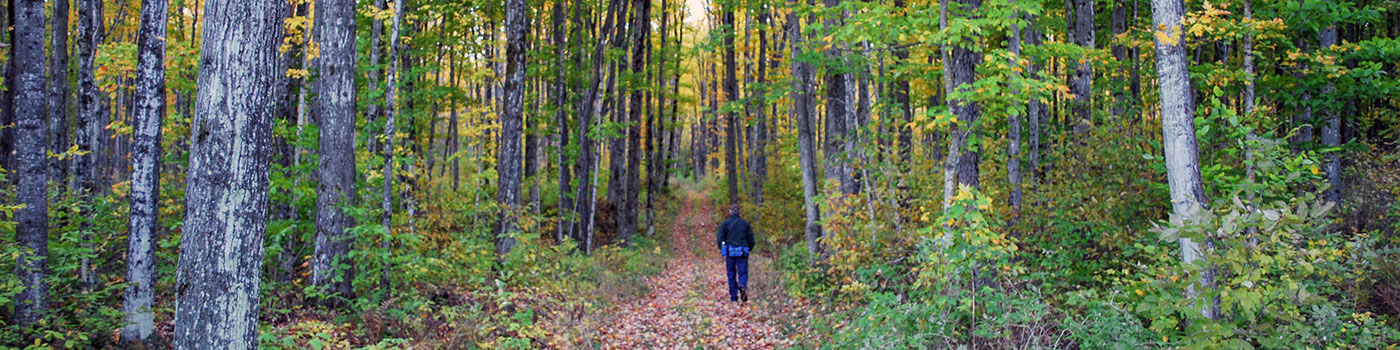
(688, 306)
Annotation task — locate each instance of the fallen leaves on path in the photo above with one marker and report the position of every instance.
(689, 307)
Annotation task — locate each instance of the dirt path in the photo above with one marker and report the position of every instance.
(689, 307)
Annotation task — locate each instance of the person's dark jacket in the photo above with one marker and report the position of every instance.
(734, 231)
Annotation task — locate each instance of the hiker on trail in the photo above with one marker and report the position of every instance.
(735, 240)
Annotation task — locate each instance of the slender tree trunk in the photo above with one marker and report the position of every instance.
(221, 251)
(32, 220)
(760, 149)
(145, 178)
(1081, 86)
(90, 120)
(839, 110)
(1331, 125)
(58, 90)
(334, 107)
(1013, 127)
(640, 32)
(731, 90)
(1036, 110)
(391, 86)
(561, 99)
(509, 159)
(1179, 135)
(1120, 53)
(376, 60)
(803, 108)
(456, 135)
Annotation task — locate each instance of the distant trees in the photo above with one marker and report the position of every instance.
(221, 251)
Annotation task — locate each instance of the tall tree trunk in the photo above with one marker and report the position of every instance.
(32, 220)
(1036, 111)
(376, 60)
(964, 61)
(509, 159)
(640, 31)
(145, 178)
(655, 141)
(561, 118)
(1013, 126)
(1081, 86)
(58, 90)
(334, 107)
(1120, 53)
(391, 86)
(454, 134)
(90, 125)
(731, 90)
(588, 109)
(1179, 138)
(1331, 125)
(839, 110)
(803, 108)
(760, 149)
(900, 94)
(221, 251)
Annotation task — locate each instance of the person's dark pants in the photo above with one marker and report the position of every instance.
(738, 270)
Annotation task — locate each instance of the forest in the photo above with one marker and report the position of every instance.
(548, 174)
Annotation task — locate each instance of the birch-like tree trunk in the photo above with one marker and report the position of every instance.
(145, 174)
(391, 130)
(89, 126)
(509, 159)
(1188, 195)
(30, 110)
(221, 249)
(333, 106)
(58, 90)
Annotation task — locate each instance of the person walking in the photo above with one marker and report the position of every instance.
(735, 240)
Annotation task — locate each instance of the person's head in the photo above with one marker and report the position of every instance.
(734, 209)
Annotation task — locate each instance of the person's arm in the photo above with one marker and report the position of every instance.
(719, 238)
(749, 235)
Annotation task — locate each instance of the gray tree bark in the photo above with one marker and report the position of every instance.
(89, 126)
(30, 110)
(1331, 126)
(1188, 195)
(509, 160)
(145, 174)
(1081, 86)
(58, 89)
(333, 106)
(803, 109)
(1013, 127)
(391, 85)
(221, 250)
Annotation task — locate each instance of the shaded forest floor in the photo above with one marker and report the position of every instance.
(688, 304)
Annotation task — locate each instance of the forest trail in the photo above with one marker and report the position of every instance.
(689, 307)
